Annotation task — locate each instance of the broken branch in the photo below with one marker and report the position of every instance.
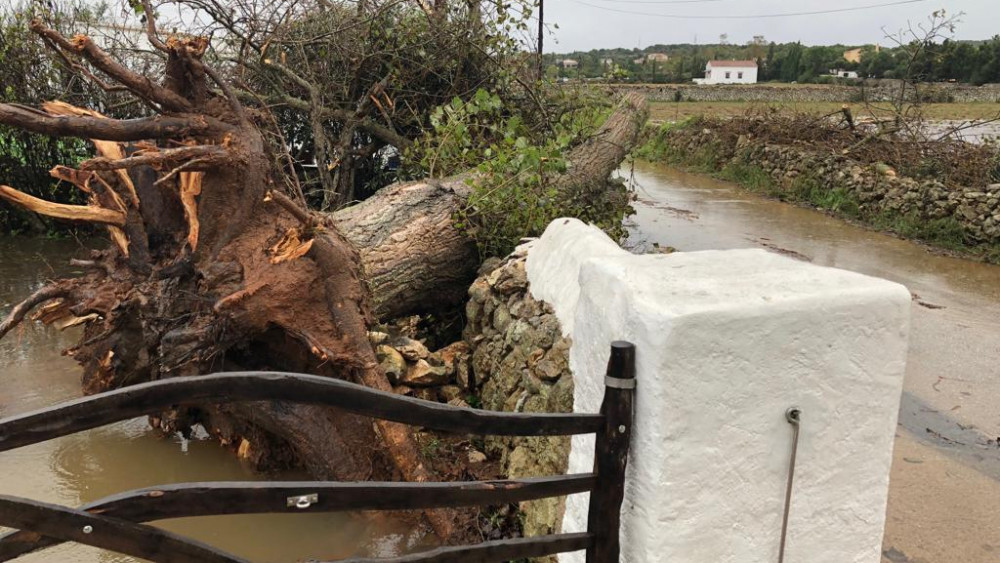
(77, 213)
(110, 129)
(20, 310)
(209, 155)
(138, 84)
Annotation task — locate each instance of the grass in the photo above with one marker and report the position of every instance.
(751, 177)
(675, 111)
(945, 232)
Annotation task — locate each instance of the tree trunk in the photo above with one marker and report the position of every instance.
(413, 256)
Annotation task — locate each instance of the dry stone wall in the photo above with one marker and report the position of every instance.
(874, 91)
(876, 188)
(520, 363)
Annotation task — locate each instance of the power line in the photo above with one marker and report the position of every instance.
(746, 17)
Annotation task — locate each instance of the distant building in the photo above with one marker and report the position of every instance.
(729, 72)
(607, 62)
(569, 63)
(853, 55)
(841, 73)
(657, 57)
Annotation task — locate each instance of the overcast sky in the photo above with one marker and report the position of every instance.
(584, 26)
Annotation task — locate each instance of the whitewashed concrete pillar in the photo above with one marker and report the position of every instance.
(727, 341)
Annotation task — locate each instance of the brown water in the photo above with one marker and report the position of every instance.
(944, 497)
(94, 464)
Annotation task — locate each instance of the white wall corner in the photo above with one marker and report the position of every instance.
(725, 342)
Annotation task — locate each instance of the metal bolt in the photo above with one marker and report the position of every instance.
(88, 529)
(621, 429)
(792, 415)
(302, 501)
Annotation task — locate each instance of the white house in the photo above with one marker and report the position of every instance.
(841, 73)
(729, 72)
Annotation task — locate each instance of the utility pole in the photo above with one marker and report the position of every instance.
(541, 33)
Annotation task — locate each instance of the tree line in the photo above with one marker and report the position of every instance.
(972, 62)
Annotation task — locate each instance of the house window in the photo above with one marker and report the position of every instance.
(739, 75)
(728, 74)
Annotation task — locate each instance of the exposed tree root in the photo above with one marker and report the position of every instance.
(75, 213)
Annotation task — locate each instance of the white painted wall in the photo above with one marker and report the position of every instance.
(717, 75)
(726, 342)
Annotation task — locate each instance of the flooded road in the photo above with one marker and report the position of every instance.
(944, 498)
(94, 464)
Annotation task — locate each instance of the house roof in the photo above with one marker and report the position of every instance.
(752, 64)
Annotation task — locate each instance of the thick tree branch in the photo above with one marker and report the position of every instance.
(110, 129)
(138, 84)
(76, 213)
(208, 155)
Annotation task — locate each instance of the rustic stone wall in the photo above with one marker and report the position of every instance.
(415, 371)
(872, 90)
(876, 188)
(512, 358)
(520, 363)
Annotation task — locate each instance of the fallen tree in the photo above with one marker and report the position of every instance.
(216, 265)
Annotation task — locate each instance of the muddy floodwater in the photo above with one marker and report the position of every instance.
(97, 463)
(944, 495)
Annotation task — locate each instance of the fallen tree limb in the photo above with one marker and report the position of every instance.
(20, 310)
(75, 213)
(207, 155)
(160, 127)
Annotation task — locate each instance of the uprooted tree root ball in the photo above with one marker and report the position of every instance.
(210, 270)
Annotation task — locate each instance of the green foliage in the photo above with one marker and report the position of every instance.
(515, 160)
(658, 146)
(750, 176)
(431, 447)
(810, 189)
(945, 232)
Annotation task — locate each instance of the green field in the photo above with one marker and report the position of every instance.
(674, 111)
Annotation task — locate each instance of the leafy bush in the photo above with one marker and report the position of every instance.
(515, 161)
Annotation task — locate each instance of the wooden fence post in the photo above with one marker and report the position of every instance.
(611, 454)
